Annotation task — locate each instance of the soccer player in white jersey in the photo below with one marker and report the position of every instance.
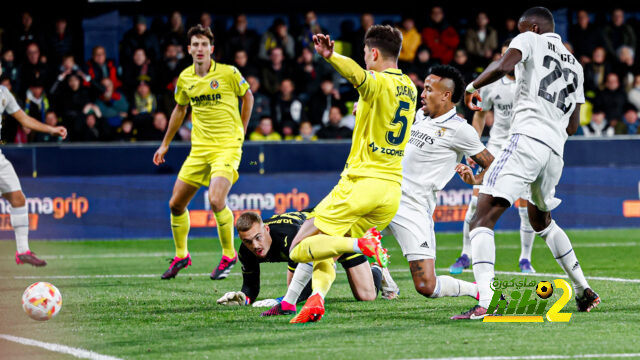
(439, 140)
(9, 183)
(547, 110)
(498, 96)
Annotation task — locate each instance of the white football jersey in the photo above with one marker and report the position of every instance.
(549, 85)
(7, 103)
(499, 96)
(434, 149)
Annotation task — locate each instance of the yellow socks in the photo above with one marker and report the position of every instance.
(321, 247)
(180, 227)
(323, 276)
(224, 219)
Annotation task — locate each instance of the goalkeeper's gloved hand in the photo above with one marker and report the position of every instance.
(233, 298)
(267, 303)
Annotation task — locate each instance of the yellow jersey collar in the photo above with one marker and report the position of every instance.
(212, 68)
(393, 71)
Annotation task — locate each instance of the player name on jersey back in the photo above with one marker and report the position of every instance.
(549, 86)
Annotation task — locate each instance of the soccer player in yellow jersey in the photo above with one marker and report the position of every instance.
(212, 90)
(368, 193)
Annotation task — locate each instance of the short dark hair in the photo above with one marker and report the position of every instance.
(246, 221)
(541, 13)
(453, 74)
(200, 30)
(385, 38)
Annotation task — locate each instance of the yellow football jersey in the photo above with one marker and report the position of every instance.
(386, 109)
(214, 104)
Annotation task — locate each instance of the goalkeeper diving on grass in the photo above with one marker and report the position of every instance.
(269, 241)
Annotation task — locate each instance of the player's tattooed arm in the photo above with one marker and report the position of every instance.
(484, 159)
(574, 121)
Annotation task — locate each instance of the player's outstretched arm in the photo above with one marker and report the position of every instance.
(177, 117)
(479, 121)
(574, 121)
(495, 71)
(33, 124)
(247, 108)
(346, 67)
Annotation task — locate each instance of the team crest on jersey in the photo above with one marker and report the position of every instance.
(440, 133)
(214, 84)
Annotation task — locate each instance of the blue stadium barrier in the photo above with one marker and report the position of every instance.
(114, 191)
(136, 206)
(277, 157)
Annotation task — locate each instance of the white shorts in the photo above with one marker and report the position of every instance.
(525, 164)
(495, 150)
(413, 229)
(8, 178)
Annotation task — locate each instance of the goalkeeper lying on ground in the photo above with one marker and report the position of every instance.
(270, 242)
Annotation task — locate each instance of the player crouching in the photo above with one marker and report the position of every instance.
(270, 242)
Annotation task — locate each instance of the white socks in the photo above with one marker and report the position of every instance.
(527, 235)
(300, 279)
(561, 248)
(449, 286)
(466, 240)
(483, 248)
(20, 223)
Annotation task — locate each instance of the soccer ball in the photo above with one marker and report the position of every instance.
(544, 289)
(41, 301)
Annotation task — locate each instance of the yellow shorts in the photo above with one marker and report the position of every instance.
(357, 204)
(203, 164)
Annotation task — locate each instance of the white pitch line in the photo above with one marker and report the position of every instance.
(443, 270)
(538, 357)
(603, 278)
(79, 353)
(206, 253)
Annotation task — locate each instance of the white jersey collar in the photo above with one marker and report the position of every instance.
(444, 117)
(553, 35)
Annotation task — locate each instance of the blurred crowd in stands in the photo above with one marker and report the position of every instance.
(298, 96)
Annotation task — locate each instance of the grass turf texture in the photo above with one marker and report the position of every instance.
(147, 318)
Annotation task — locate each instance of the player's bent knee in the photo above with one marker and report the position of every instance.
(368, 295)
(18, 200)
(176, 208)
(425, 286)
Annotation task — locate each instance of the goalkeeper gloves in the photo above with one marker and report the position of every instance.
(233, 298)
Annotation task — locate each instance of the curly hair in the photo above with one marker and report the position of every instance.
(453, 74)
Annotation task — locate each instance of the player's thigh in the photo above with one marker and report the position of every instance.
(219, 188)
(360, 278)
(307, 229)
(513, 170)
(384, 197)
(413, 229)
(224, 163)
(9, 182)
(543, 189)
(196, 170)
(342, 207)
(182, 194)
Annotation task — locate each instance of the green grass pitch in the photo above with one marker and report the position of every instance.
(133, 316)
